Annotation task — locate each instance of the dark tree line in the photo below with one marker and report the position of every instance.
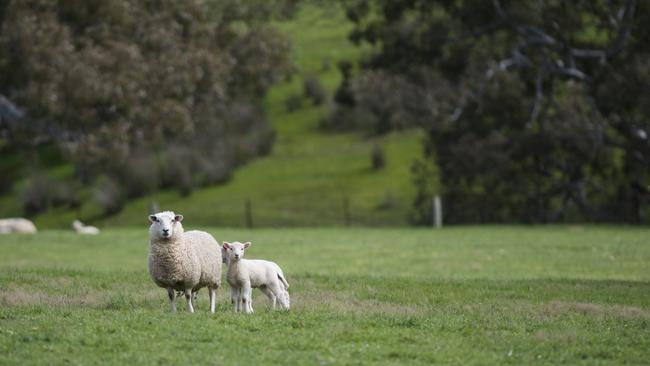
(535, 111)
(141, 94)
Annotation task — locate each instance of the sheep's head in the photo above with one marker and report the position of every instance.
(235, 251)
(165, 224)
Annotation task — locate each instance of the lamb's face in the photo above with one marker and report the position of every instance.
(163, 224)
(234, 251)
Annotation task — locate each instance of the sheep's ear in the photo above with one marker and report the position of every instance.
(153, 218)
(226, 245)
(247, 244)
(178, 218)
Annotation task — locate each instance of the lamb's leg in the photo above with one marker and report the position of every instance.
(213, 298)
(270, 295)
(281, 294)
(247, 298)
(287, 300)
(240, 299)
(188, 297)
(234, 298)
(172, 298)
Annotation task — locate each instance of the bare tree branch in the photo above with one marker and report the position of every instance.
(9, 113)
(626, 15)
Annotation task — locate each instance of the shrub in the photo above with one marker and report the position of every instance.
(293, 102)
(314, 90)
(5, 184)
(176, 166)
(214, 166)
(66, 194)
(140, 174)
(108, 195)
(377, 157)
(36, 195)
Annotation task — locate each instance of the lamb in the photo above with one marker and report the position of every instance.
(183, 261)
(80, 228)
(17, 225)
(245, 274)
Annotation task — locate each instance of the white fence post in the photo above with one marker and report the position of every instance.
(437, 212)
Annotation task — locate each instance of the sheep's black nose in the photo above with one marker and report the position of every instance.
(165, 231)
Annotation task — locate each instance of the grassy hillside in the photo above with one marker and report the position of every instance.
(467, 295)
(309, 174)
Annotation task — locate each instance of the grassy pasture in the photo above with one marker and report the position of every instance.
(465, 295)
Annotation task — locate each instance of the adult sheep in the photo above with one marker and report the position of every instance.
(17, 225)
(183, 261)
(80, 228)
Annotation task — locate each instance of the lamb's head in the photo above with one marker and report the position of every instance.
(77, 224)
(164, 225)
(234, 251)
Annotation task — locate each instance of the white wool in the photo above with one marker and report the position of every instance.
(80, 228)
(245, 274)
(183, 261)
(17, 225)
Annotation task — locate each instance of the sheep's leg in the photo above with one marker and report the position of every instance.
(234, 298)
(247, 297)
(188, 297)
(195, 297)
(286, 299)
(270, 295)
(281, 294)
(172, 298)
(213, 298)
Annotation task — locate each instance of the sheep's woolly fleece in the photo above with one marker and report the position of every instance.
(17, 225)
(244, 274)
(184, 260)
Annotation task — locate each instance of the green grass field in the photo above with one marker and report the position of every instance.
(463, 295)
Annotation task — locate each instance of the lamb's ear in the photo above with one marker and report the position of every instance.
(226, 245)
(178, 218)
(153, 218)
(247, 244)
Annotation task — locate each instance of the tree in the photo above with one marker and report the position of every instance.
(536, 111)
(106, 80)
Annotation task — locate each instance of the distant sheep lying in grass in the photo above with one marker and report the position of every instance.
(183, 261)
(80, 228)
(17, 225)
(245, 274)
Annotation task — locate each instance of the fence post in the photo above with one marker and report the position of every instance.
(346, 211)
(248, 213)
(437, 212)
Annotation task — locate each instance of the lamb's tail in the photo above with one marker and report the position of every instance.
(281, 278)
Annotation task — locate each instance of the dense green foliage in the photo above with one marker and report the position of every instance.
(466, 295)
(142, 94)
(536, 111)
